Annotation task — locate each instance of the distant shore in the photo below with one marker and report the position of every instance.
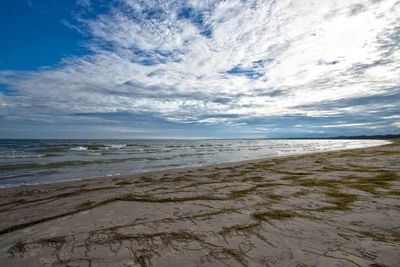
(327, 208)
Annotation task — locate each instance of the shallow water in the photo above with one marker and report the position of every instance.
(46, 161)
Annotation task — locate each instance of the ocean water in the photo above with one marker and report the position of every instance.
(47, 161)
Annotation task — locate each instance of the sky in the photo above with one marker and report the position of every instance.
(199, 69)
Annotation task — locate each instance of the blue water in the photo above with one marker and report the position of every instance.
(48, 161)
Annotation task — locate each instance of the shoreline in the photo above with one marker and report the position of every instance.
(389, 141)
(322, 208)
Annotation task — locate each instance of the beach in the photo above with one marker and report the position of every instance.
(338, 208)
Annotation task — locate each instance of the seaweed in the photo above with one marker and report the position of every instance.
(274, 215)
(19, 248)
(341, 201)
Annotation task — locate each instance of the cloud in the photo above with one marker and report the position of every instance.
(85, 3)
(191, 62)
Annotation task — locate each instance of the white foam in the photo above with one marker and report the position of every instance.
(117, 146)
(79, 148)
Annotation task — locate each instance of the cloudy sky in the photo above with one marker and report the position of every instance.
(196, 69)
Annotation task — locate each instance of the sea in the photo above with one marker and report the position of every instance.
(24, 162)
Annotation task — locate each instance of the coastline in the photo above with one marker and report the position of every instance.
(163, 169)
(324, 208)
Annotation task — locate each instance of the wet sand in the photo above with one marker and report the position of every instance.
(324, 209)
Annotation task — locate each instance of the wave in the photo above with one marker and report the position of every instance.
(95, 147)
(79, 148)
(21, 156)
(95, 154)
(53, 149)
(116, 146)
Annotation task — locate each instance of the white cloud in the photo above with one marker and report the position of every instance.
(354, 125)
(84, 3)
(312, 52)
(392, 117)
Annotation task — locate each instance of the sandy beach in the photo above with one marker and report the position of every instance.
(324, 209)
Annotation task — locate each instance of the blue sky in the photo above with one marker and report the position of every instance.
(199, 69)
